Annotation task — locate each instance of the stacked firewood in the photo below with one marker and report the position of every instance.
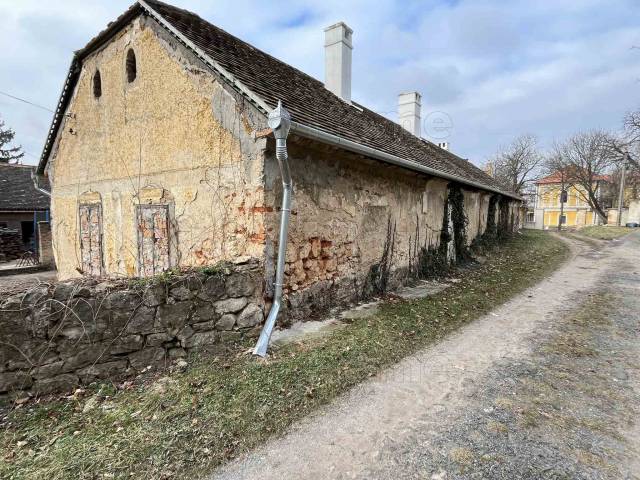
(11, 246)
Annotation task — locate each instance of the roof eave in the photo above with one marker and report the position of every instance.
(324, 137)
(299, 128)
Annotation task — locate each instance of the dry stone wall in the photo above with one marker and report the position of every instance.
(55, 337)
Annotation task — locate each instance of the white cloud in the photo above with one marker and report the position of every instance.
(498, 68)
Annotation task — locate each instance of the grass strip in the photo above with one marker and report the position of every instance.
(602, 232)
(185, 424)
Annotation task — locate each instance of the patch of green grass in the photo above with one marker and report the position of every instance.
(170, 276)
(189, 423)
(603, 232)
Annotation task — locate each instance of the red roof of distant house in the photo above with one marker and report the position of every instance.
(557, 178)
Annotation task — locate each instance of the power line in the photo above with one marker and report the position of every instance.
(26, 101)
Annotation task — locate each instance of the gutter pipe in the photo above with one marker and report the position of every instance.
(34, 179)
(280, 123)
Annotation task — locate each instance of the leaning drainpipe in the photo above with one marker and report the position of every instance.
(279, 122)
(34, 179)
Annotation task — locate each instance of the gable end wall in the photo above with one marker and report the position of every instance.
(175, 130)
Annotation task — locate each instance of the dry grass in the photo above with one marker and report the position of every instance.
(462, 456)
(496, 427)
(603, 232)
(216, 410)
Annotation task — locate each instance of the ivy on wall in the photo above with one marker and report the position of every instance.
(445, 235)
(504, 227)
(492, 229)
(459, 220)
(429, 261)
(377, 281)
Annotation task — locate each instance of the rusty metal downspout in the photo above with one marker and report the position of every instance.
(280, 123)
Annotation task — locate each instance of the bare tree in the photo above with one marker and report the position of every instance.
(514, 165)
(587, 160)
(626, 145)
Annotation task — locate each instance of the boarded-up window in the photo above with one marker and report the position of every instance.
(91, 239)
(153, 239)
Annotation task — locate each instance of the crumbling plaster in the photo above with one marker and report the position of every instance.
(342, 206)
(178, 136)
(176, 129)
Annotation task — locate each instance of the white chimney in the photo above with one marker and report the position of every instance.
(409, 106)
(337, 60)
(444, 145)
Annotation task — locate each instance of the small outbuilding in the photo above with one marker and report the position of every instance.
(22, 208)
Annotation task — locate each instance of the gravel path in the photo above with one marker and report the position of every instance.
(546, 386)
(23, 281)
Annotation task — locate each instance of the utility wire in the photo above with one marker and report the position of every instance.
(26, 101)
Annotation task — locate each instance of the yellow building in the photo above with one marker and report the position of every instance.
(548, 211)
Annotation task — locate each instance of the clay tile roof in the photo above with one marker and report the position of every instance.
(17, 191)
(306, 98)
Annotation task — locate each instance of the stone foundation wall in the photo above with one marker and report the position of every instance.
(72, 333)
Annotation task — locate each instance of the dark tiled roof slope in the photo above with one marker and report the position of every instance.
(17, 191)
(308, 101)
(270, 80)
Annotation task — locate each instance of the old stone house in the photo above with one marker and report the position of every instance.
(159, 157)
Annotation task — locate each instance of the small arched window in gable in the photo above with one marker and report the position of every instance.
(97, 84)
(132, 69)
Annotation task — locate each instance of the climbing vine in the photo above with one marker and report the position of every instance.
(491, 230)
(432, 262)
(504, 228)
(459, 220)
(445, 235)
(377, 281)
(490, 236)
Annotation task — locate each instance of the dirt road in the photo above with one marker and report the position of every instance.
(546, 386)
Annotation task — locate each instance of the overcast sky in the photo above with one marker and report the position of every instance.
(497, 68)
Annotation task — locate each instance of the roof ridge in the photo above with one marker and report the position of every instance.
(253, 47)
(264, 79)
(14, 165)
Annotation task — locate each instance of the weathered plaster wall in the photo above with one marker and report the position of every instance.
(485, 199)
(344, 208)
(473, 212)
(173, 136)
(347, 211)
